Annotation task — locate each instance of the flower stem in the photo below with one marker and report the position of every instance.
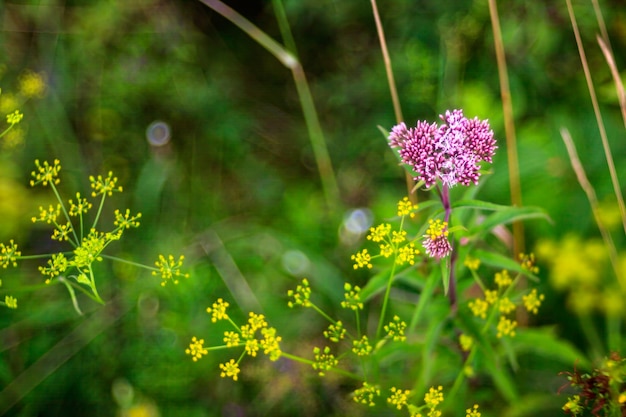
(385, 301)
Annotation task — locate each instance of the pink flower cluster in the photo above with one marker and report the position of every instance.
(450, 152)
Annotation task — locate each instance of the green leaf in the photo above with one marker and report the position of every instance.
(508, 215)
(375, 285)
(500, 375)
(479, 204)
(445, 274)
(502, 262)
(424, 299)
(545, 343)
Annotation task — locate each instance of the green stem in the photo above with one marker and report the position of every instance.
(383, 311)
(310, 362)
(65, 213)
(592, 336)
(95, 221)
(7, 130)
(326, 316)
(614, 335)
(125, 261)
(70, 289)
(93, 286)
(425, 296)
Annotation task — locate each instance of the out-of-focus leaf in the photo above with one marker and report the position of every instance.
(375, 285)
(500, 261)
(545, 343)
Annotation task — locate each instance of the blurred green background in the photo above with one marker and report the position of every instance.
(236, 189)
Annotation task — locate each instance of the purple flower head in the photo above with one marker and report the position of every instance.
(450, 152)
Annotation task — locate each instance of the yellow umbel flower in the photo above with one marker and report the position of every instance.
(472, 412)
(398, 236)
(196, 349)
(335, 332)
(406, 207)
(256, 322)
(169, 269)
(231, 339)
(271, 343)
(365, 395)
(324, 360)
(104, 186)
(528, 262)
(506, 305)
(503, 279)
(31, 84)
(506, 327)
(472, 263)
(362, 259)
(14, 118)
(352, 299)
(48, 215)
(62, 232)
(230, 369)
(532, 301)
(46, 173)
(479, 307)
(395, 329)
(8, 103)
(9, 254)
(434, 397)
(406, 254)
(436, 228)
(126, 221)
(81, 206)
(466, 342)
(11, 302)
(379, 233)
(252, 347)
(361, 347)
(399, 398)
(218, 310)
(301, 295)
(57, 264)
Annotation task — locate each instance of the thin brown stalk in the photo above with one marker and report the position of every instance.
(397, 109)
(601, 24)
(509, 127)
(619, 86)
(596, 109)
(593, 202)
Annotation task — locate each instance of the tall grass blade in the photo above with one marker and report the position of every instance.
(593, 202)
(596, 109)
(619, 86)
